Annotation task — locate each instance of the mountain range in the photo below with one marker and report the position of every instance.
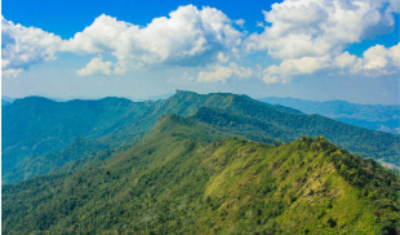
(36, 129)
(193, 164)
(188, 177)
(384, 118)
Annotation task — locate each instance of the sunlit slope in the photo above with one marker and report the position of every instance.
(182, 178)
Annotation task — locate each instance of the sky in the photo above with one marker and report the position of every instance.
(310, 49)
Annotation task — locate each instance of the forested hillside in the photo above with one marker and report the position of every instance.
(185, 177)
(36, 129)
(36, 125)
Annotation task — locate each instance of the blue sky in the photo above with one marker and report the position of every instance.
(310, 49)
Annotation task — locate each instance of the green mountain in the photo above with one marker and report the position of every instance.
(187, 177)
(42, 164)
(36, 125)
(37, 129)
(375, 117)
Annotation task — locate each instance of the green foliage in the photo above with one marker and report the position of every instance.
(186, 177)
(38, 129)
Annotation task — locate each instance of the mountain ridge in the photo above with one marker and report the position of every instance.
(375, 117)
(121, 121)
(185, 177)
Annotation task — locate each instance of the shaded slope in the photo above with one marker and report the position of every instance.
(37, 125)
(42, 164)
(176, 180)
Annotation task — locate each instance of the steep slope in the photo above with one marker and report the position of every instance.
(180, 179)
(375, 117)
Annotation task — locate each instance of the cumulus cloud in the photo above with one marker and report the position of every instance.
(377, 60)
(96, 66)
(25, 46)
(222, 73)
(290, 67)
(317, 31)
(317, 27)
(189, 37)
(306, 35)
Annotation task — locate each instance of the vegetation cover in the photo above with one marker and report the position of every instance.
(187, 177)
(38, 134)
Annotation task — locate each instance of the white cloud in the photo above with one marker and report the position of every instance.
(317, 27)
(222, 58)
(240, 22)
(291, 67)
(314, 33)
(11, 72)
(96, 66)
(344, 60)
(184, 79)
(222, 73)
(25, 46)
(306, 35)
(377, 61)
(189, 37)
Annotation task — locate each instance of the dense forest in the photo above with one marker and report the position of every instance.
(187, 177)
(40, 135)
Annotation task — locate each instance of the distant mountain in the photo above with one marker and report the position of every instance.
(384, 118)
(154, 98)
(186, 177)
(5, 100)
(35, 127)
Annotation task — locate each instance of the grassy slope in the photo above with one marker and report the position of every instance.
(180, 179)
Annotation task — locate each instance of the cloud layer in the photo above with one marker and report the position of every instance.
(306, 36)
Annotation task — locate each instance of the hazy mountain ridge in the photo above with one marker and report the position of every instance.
(183, 177)
(36, 125)
(375, 117)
